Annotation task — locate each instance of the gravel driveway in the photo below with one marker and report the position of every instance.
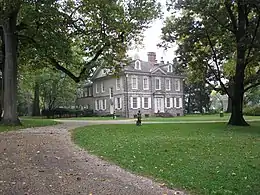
(44, 161)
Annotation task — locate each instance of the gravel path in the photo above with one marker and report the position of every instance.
(44, 161)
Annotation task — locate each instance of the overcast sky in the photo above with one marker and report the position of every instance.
(152, 38)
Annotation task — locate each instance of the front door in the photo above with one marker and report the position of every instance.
(158, 105)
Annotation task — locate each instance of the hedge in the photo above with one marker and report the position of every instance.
(252, 111)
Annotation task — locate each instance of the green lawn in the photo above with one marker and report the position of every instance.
(200, 158)
(213, 117)
(26, 123)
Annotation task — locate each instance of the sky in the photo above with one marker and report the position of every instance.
(152, 38)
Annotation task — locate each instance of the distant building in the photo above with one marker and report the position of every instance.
(147, 86)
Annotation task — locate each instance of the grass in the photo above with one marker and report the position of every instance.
(199, 158)
(27, 123)
(213, 117)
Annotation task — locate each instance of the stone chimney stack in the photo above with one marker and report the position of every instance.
(151, 58)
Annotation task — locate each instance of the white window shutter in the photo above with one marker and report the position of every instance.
(142, 102)
(149, 102)
(174, 102)
(105, 104)
(131, 101)
(138, 102)
(165, 103)
(120, 99)
(116, 103)
(171, 102)
(180, 99)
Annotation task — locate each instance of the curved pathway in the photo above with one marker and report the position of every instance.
(44, 161)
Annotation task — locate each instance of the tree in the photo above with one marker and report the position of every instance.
(48, 30)
(213, 34)
(196, 97)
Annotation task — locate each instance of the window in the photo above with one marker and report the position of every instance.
(102, 87)
(157, 84)
(100, 104)
(145, 83)
(118, 84)
(104, 104)
(168, 102)
(168, 84)
(97, 88)
(111, 92)
(177, 85)
(134, 102)
(170, 68)
(134, 83)
(178, 102)
(118, 103)
(146, 104)
(138, 65)
(96, 105)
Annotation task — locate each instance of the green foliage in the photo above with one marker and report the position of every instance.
(252, 110)
(194, 157)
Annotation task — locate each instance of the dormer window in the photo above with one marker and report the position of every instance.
(170, 68)
(138, 65)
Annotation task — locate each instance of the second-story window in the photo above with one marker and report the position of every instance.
(90, 91)
(102, 87)
(157, 83)
(167, 84)
(134, 83)
(177, 85)
(111, 93)
(97, 91)
(118, 84)
(145, 83)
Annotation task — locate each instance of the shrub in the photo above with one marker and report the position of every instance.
(252, 111)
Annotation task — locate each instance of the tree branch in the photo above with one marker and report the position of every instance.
(61, 68)
(253, 39)
(217, 75)
(251, 86)
(231, 15)
(223, 25)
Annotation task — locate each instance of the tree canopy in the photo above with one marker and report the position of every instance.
(218, 42)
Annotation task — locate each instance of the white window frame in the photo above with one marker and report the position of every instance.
(118, 83)
(137, 65)
(146, 88)
(147, 102)
(132, 80)
(180, 102)
(159, 83)
(97, 88)
(168, 87)
(118, 103)
(110, 90)
(102, 87)
(177, 83)
(170, 68)
(104, 104)
(136, 103)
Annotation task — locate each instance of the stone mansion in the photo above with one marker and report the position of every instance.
(148, 86)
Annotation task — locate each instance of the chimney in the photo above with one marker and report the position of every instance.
(151, 58)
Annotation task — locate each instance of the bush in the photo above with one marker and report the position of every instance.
(252, 111)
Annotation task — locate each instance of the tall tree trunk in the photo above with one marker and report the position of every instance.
(36, 100)
(10, 73)
(2, 61)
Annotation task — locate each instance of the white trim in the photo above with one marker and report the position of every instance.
(166, 103)
(138, 102)
(136, 79)
(143, 103)
(160, 83)
(149, 102)
(167, 80)
(132, 99)
(153, 71)
(171, 102)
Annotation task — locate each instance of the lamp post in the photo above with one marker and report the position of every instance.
(127, 102)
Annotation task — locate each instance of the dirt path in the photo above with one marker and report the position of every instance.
(44, 161)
